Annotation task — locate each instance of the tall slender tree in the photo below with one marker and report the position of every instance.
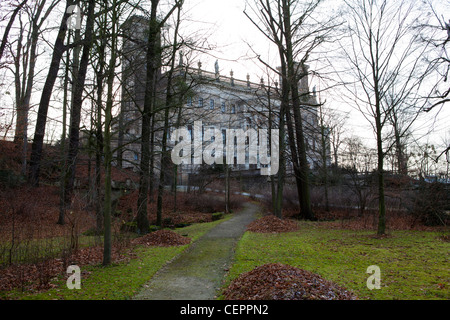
(170, 104)
(14, 14)
(291, 27)
(153, 64)
(437, 34)
(38, 140)
(24, 85)
(75, 115)
(107, 148)
(385, 61)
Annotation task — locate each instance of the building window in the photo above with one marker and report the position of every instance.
(189, 101)
(224, 135)
(233, 108)
(189, 127)
(223, 107)
(211, 104)
(200, 102)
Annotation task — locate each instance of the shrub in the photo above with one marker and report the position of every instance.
(130, 226)
(9, 178)
(167, 222)
(429, 204)
(217, 216)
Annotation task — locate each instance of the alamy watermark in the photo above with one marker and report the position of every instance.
(374, 281)
(74, 280)
(234, 146)
(74, 20)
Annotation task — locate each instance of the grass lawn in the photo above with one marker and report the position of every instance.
(118, 281)
(414, 264)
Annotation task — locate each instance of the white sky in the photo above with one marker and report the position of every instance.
(229, 29)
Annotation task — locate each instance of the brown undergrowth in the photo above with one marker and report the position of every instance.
(162, 238)
(272, 224)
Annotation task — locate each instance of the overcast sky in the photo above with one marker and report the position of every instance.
(232, 32)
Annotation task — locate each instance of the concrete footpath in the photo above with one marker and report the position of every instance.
(198, 272)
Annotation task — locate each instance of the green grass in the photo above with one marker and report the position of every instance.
(118, 281)
(414, 264)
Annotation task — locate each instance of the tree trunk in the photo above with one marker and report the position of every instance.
(62, 184)
(175, 168)
(278, 207)
(169, 105)
(294, 155)
(324, 158)
(293, 76)
(227, 187)
(23, 130)
(38, 141)
(152, 66)
(99, 140)
(380, 173)
(74, 135)
(107, 242)
(21, 115)
(402, 167)
(272, 177)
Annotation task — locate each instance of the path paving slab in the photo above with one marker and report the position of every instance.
(198, 272)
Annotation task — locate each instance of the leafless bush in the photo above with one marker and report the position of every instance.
(429, 204)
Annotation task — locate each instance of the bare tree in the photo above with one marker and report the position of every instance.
(38, 140)
(28, 55)
(384, 58)
(75, 115)
(153, 64)
(336, 123)
(437, 34)
(107, 149)
(16, 10)
(59, 48)
(358, 171)
(170, 104)
(296, 31)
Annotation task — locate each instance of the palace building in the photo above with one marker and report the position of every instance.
(220, 101)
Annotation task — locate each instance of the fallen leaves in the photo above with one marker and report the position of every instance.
(38, 276)
(272, 224)
(163, 238)
(283, 282)
(29, 213)
(187, 209)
